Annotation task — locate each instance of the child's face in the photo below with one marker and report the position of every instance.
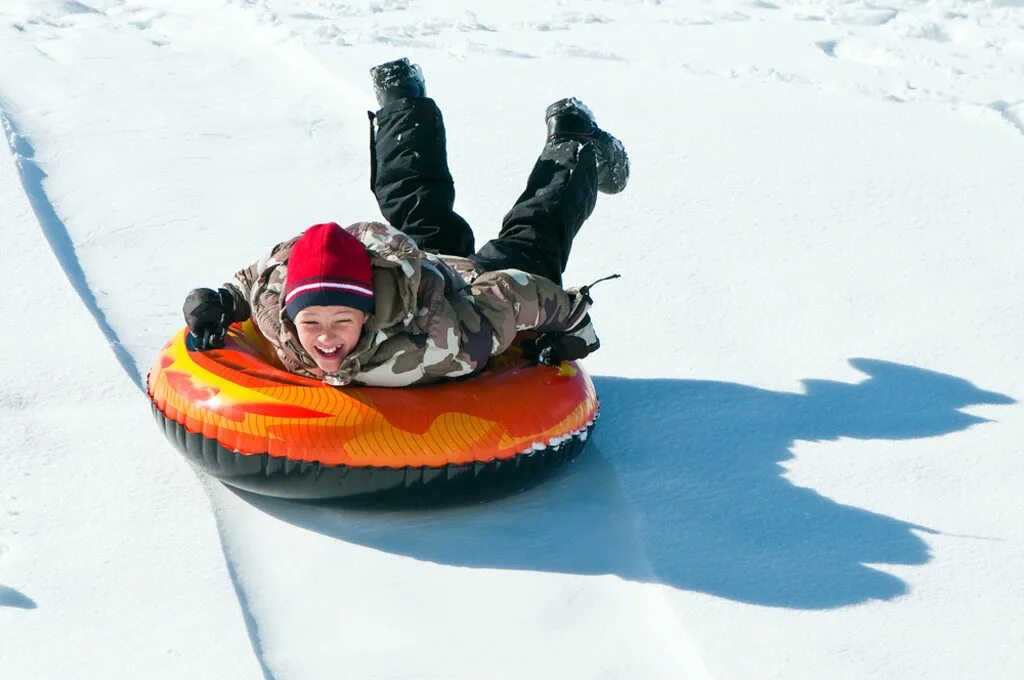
(329, 333)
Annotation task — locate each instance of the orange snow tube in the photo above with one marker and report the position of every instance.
(241, 418)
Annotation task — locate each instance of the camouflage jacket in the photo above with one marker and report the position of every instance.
(435, 317)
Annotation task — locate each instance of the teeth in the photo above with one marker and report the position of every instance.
(332, 350)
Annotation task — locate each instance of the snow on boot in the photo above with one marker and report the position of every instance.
(394, 80)
(571, 119)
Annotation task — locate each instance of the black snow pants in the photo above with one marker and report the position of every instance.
(409, 176)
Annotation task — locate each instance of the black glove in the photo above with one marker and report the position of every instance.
(552, 348)
(208, 314)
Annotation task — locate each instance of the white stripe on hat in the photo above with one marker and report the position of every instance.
(355, 288)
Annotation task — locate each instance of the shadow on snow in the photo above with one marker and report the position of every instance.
(9, 597)
(683, 485)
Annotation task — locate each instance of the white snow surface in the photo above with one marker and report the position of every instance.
(808, 462)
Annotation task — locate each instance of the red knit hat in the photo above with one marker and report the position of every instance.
(328, 266)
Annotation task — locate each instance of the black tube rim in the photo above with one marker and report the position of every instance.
(311, 480)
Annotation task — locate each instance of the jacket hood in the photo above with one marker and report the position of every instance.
(397, 267)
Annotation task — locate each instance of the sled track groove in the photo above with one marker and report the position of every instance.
(251, 624)
(1006, 110)
(59, 239)
(56, 233)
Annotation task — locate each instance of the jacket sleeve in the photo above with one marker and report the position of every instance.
(512, 300)
(243, 285)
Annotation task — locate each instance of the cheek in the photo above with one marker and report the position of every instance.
(306, 337)
(352, 334)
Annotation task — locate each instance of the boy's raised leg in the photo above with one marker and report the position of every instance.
(409, 162)
(578, 160)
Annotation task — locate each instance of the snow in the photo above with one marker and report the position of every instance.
(807, 463)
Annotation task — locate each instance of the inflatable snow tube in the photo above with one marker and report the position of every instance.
(237, 415)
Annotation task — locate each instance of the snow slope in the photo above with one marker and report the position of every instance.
(807, 463)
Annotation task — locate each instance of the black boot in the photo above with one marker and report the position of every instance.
(394, 80)
(571, 119)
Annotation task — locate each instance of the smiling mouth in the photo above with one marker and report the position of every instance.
(328, 352)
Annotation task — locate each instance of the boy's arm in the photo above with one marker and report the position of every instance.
(512, 301)
(208, 313)
(240, 287)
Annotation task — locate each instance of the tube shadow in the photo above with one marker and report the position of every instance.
(683, 486)
(9, 597)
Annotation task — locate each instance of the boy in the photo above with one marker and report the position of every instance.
(412, 303)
